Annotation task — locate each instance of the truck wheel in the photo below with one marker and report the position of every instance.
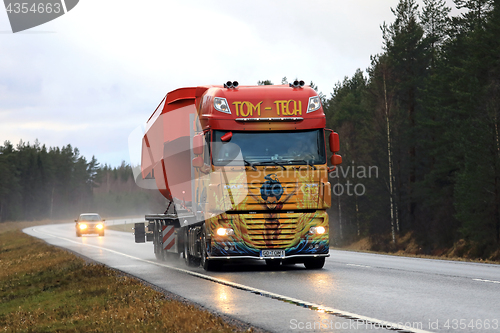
(208, 265)
(156, 243)
(190, 260)
(315, 263)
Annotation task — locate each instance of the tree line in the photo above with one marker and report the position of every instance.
(426, 112)
(39, 183)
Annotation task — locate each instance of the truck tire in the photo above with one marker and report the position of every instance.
(190, 260)
(208, 265)
(157, 242)
(315, 263)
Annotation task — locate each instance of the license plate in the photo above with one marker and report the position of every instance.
(272, 253)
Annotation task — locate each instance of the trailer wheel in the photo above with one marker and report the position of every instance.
(208, 265)
(157, 242)
(190, 260)
(315, 263)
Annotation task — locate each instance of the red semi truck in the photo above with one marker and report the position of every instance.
(245, 171)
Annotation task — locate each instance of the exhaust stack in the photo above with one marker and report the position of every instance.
(297, 84)
(231, 85)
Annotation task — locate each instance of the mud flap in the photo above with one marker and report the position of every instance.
(140, 232)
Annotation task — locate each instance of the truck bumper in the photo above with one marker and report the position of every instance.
(233, 250)
(294, 256)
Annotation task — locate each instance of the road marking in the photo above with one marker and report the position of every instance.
(362, 320)
(490, 281)
(359, 265)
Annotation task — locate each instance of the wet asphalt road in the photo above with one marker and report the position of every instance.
(355, 292)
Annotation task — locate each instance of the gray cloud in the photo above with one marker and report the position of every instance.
(108, 64)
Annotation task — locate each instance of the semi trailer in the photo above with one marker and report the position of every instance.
(245, 174)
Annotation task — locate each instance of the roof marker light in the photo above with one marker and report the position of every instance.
(314, 104)
(220, 104)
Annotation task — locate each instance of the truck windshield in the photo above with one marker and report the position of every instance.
(301, 147)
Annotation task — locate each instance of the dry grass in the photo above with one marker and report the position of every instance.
(7, 226)
(45, 289)
(406, 246)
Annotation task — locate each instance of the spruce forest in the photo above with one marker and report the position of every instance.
(426, 113)
(38, 183)
(419, 133)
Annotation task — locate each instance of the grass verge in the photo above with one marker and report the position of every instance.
(46, 289)
(406, 246)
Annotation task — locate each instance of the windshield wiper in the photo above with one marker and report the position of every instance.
(250, 165)
(306, 162)
(273, 162)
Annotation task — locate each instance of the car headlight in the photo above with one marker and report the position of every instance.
(82, 226)
(100, 226)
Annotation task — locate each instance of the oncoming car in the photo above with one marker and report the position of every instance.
(89, 223)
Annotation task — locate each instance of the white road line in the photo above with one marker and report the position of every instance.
(371, 322)
(359, 265)
(490, 281)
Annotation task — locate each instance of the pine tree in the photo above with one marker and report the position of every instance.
(403, 43)
(435, 21)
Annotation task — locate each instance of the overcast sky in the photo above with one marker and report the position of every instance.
(91, 76)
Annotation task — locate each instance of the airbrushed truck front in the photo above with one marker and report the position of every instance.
(245, 171)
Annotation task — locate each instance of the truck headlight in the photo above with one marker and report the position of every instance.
(82, 226)
(314, 104)
(317, 230)
(220, 104)
(225, 231)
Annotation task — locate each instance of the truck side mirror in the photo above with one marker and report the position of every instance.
(336, 159)
(334, 142)
(198, 162)
(198, 144)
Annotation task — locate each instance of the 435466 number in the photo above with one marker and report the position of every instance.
(478, 324)
(40, 8)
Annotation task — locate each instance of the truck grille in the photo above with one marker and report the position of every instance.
(268, 231)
